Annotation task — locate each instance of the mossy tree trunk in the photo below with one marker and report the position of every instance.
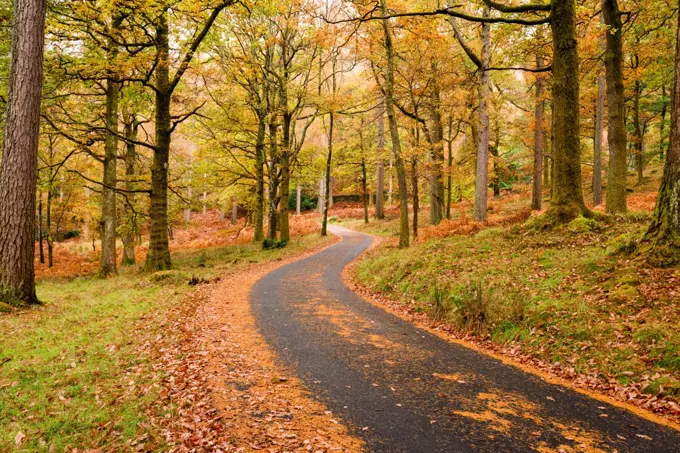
(415, 194)
(158, 258)
(482, 169)
(109, 221)
(661, 243)
(364, 188)
(394, 131)
(380, 172)
(328, 186)
(273, 216)
(437, 156)
(597, 141)
(567, 198)
(539, 140)
(449, 167)
(638, 147)
(258, 235)
(495, 153)
(41, 233)
(131, 228)
(616, 138)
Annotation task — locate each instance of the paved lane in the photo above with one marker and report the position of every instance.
(403, 389)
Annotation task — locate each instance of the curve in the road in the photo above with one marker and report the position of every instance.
(403, 389)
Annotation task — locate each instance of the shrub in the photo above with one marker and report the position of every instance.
(440, 308)
(582, 225)
(272, 244)
(306, 203)
(71, 234)
(169, 277)
(483, 309)
(623, 244)
(202, 259)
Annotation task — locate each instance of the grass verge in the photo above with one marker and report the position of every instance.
(571, 297)
(79, 371)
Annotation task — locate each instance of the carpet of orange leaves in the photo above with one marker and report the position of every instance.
(224, 384)
(75, 257)
(508, 209)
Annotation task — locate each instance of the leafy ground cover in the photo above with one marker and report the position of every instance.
(570, 299)
(204, 231)
(83, 370)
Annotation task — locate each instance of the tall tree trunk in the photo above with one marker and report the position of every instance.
(258, 235)
(662, 240)
(234, 211)
(390, 184)
(18, 168)
(50, 238)
(322, 194)
(449, 177)
(329, 160)
(284, 224)
(380, 172)
(41, 233)
(539, 140)
(109, 214)
(482, 171)
(131, 229)
(298, 199)
(495, 152)
(414, 185)
(597, 139)
(550, 164)
(437, 157)
(394, 132)
(638, 147)
(364, 188)
(330, 193)
(567, 200)
(273, 182)
(616, 138)
(158, 257)
(205, 195)
(284, 207)
(662, 123)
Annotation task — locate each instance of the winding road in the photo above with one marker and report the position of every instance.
(402, 389)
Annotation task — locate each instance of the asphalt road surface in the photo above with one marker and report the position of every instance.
(403, 389)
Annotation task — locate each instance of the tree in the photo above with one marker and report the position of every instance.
(20, 154)
(597, 139)
(567, 200)
(539, 140)
(388, 91)
(482, 63)
(616, 180)
(164, 86)
(661, 243)
(380, 172)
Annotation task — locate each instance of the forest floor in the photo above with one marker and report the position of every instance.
(570, 302)
(133, 362)
(142, 362)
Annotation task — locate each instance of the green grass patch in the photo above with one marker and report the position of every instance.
(77, 372)
(559, 293)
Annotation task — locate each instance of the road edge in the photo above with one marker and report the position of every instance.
(435, 328)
